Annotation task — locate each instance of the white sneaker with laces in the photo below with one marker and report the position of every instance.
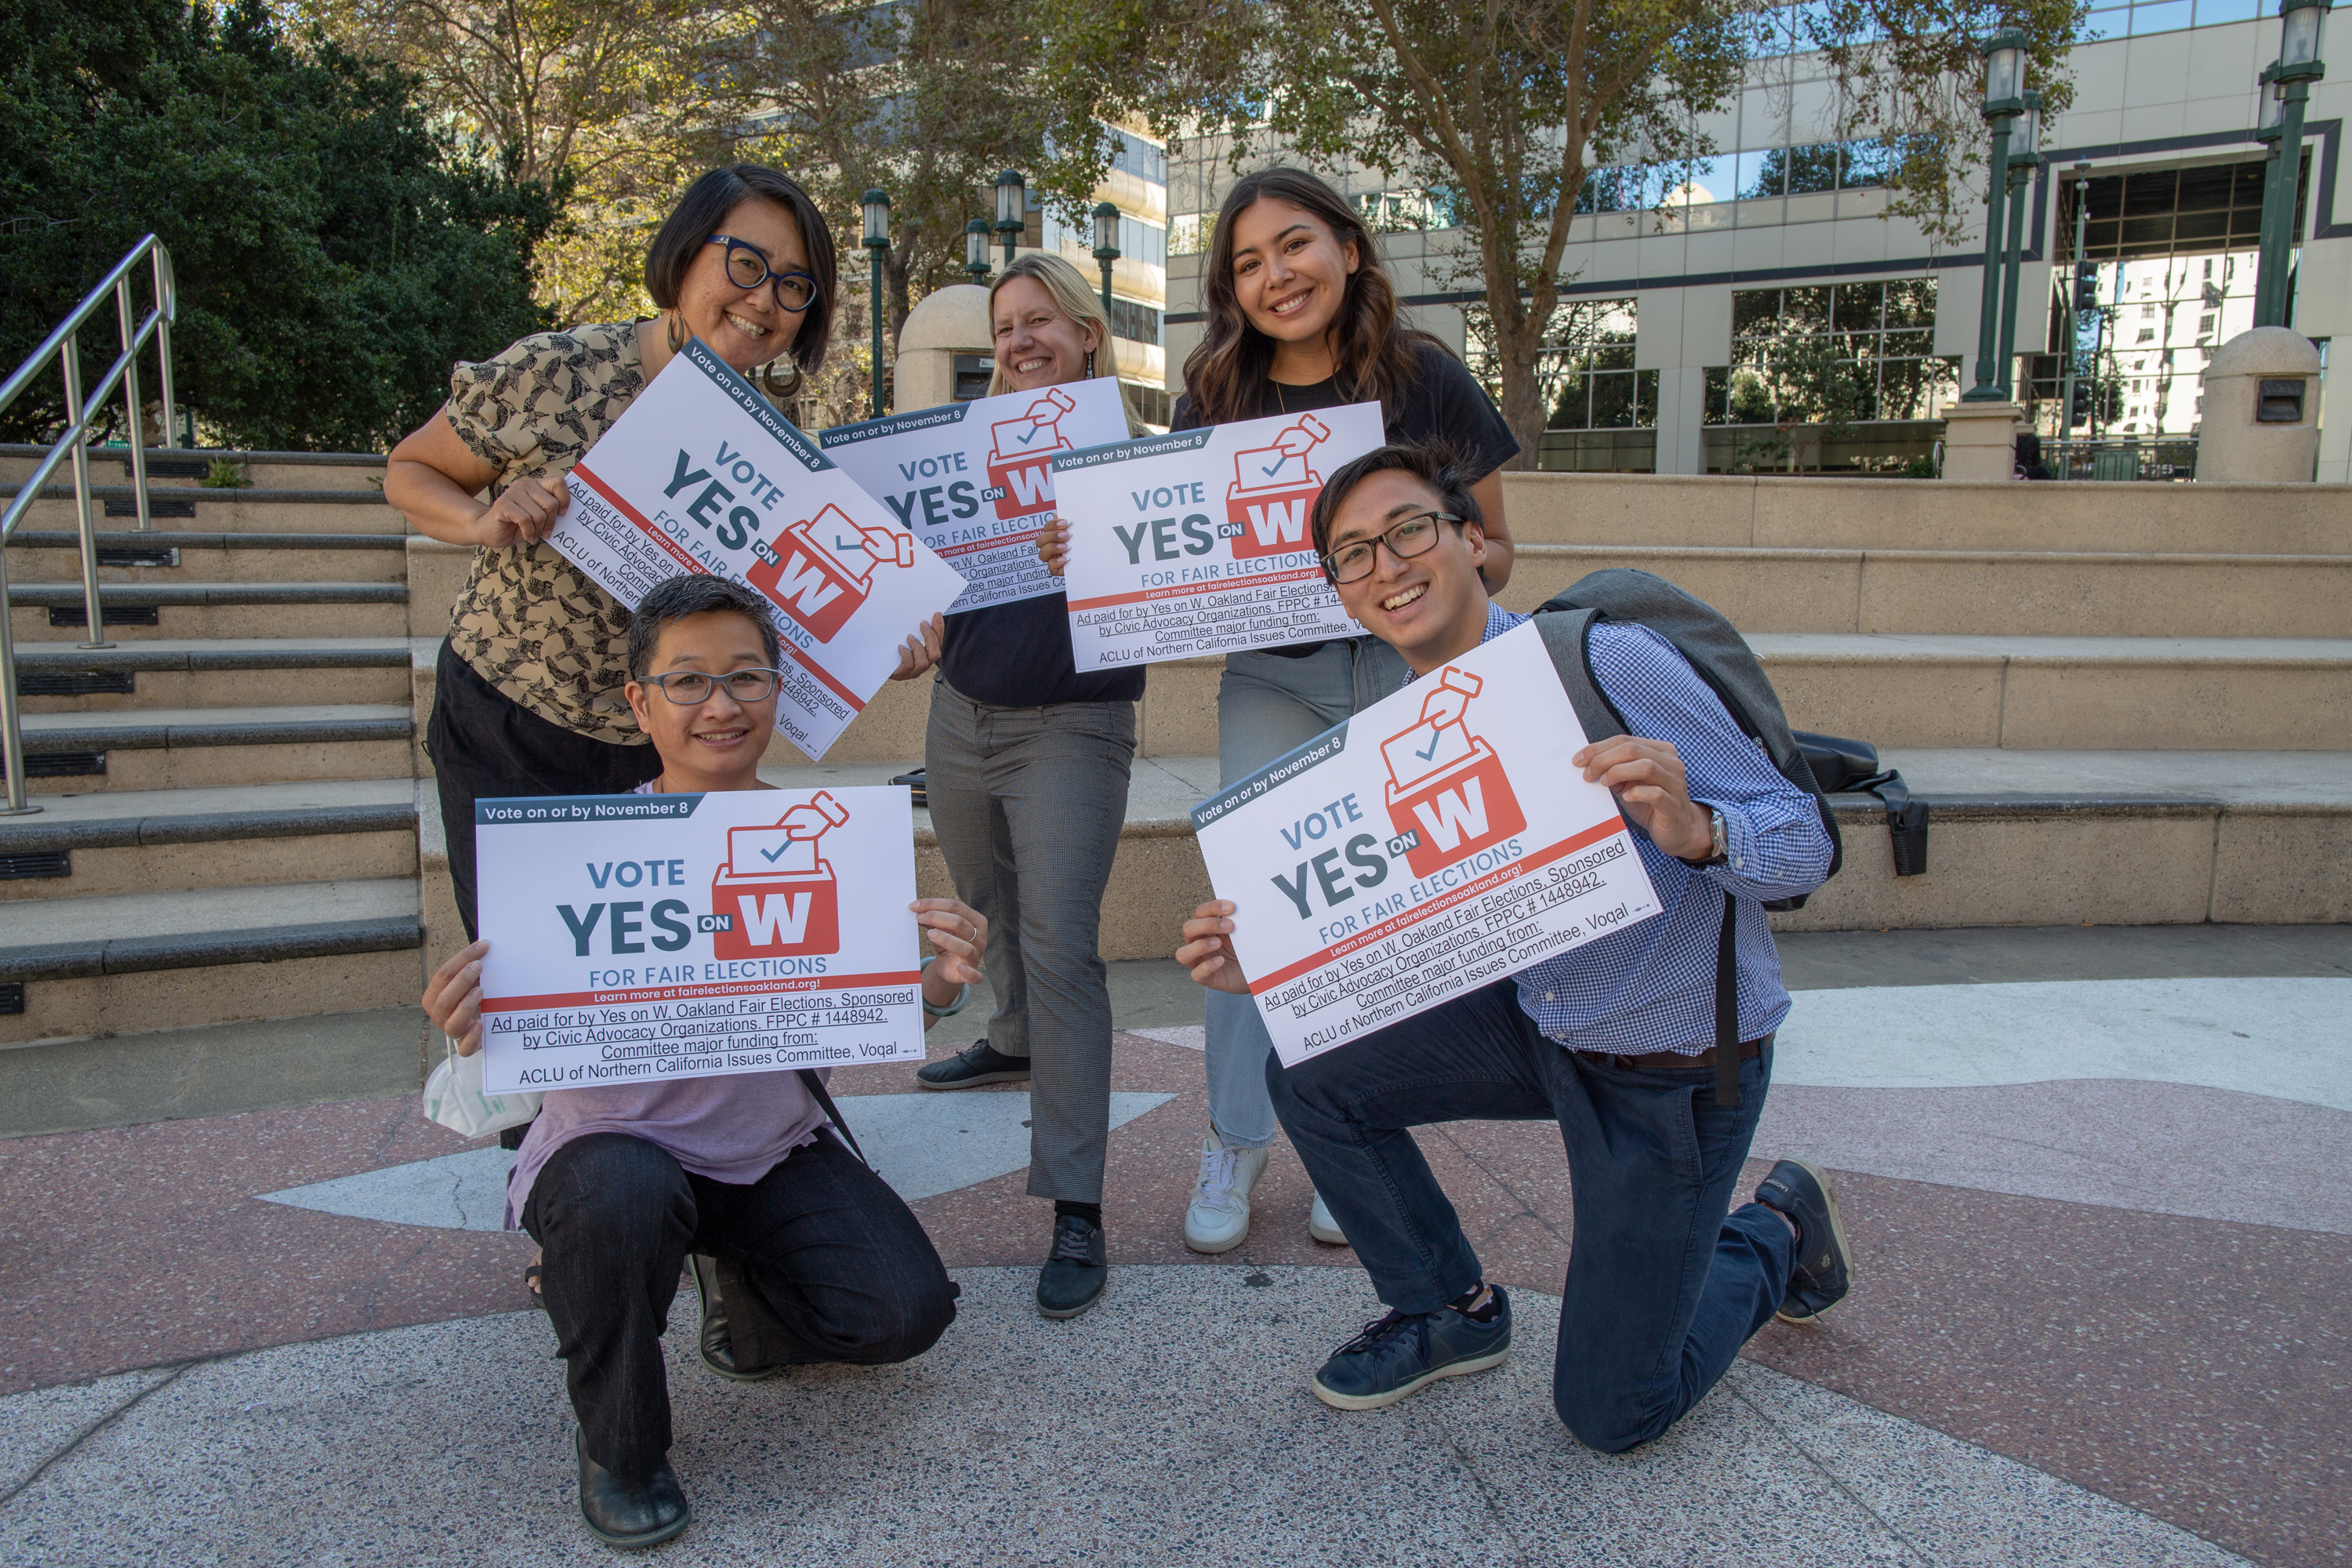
(1322, 1226)
(1218, 1219)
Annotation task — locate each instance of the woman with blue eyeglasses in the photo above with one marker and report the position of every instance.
(528, 690)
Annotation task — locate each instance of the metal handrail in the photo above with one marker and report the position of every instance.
(64, 346)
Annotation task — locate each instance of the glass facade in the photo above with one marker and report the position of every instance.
(1860, 351)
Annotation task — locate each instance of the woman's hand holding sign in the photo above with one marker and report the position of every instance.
(1208, 950)
(921, 649)
(1054, 546)
(959, 934)
(452, 997)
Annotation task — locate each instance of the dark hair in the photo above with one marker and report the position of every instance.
(697, 216)
(1373, 358)
(1435, 463)
(696, 594)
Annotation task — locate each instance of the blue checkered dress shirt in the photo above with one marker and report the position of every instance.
(1650, 987)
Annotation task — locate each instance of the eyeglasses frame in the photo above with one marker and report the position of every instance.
(1382, 540)
(768, 274)
(717, 682)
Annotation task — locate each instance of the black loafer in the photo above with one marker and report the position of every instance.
(625, 1514)
(1076, 1269)
(975, 1065)
(1825, 1270)
(717, 1346)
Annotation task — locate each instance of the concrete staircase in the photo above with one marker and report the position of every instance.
(2127, 704)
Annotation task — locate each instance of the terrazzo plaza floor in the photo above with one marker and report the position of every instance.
(2104, 1244)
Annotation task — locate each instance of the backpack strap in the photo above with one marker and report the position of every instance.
(815, 1085)
(1566, 634)
(1727, 1008)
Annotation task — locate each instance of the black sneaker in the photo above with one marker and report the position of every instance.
(1400, 1353)
(1076, 1271)
(1824, 1262)
(968, 1069)
(717, 1343)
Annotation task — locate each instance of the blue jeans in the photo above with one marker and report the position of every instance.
(1268, 706)
(1663, 1288)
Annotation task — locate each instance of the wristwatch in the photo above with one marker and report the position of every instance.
(1718, 847)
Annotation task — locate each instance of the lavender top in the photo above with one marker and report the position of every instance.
(734, 1128)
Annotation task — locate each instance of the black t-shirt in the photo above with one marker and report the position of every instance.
(1018, 655)
(1445, 401)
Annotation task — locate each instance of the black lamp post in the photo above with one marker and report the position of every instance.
(975, 249)
(2298, 65)
(2004, 100)
(878, 239)
(1011, 209)
(1106, 252)
(2024, 162)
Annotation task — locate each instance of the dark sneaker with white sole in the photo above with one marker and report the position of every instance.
(1076, 1271)
(977, 1063)
(1402, 1353)
(1824, 1273)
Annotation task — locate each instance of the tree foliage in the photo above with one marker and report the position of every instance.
(1499, 109)
(333, 255)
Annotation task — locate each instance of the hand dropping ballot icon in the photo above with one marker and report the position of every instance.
(823, 568)
(1274, 491)
(1376, 881)
(775, 892)
(1021, 460)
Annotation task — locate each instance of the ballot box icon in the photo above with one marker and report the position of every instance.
(1021, 457)
(822, 568)
(1447, 795)
(1274, 491)
(774, 895)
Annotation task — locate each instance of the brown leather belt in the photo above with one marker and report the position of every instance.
(1655, 1060)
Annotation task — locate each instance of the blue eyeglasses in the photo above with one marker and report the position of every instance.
(747, 268)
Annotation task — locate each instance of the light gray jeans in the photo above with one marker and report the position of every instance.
(1027, 803)
(1268, 706)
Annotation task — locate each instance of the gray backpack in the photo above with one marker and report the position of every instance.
(1723, 659)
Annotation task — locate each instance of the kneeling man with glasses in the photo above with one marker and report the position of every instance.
(1614, 1040)
(620, 1185)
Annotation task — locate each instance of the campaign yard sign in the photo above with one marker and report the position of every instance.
(1198, 542)
(1438, 841)
(653, 938)
(974, 481)
(702, 474)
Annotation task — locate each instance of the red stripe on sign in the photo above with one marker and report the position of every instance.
(589, 475)
(1485, 884)
(825, 678)
(1300, 575)
(689, 993)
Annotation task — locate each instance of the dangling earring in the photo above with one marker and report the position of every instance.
(677, 331)
(1090, 365)
(779, 392)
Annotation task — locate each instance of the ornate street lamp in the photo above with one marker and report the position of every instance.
(2024, 162)
(1011, 209)
(975, 249)
(877, 206)
(2298, 65)
(1106, 252)
(2004, 100)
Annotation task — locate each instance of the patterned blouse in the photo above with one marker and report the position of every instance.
(530, 622)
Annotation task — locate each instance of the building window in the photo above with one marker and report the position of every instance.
(1137, 323)
(1833, 352)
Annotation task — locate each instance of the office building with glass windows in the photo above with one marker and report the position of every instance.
(1761, 310)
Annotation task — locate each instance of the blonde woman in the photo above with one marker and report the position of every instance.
(1026, 763)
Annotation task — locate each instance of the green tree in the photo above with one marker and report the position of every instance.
(333, 255)
(1498, 110)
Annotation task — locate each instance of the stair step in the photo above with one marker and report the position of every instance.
(2012, 593)
(174, 467)
(128, 962)
(177, 747)
(191, 611)
(160, 840)
(48, 555)
(163, 672)
(1769, 512)
(254, 511)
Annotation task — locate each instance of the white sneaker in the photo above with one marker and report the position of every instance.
(1322, 1226)
(1218, 1219)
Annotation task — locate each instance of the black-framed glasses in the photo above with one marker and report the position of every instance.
(687, 687)
(747, 268)
(1415, 535)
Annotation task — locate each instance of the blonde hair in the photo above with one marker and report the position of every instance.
(1071, 295)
